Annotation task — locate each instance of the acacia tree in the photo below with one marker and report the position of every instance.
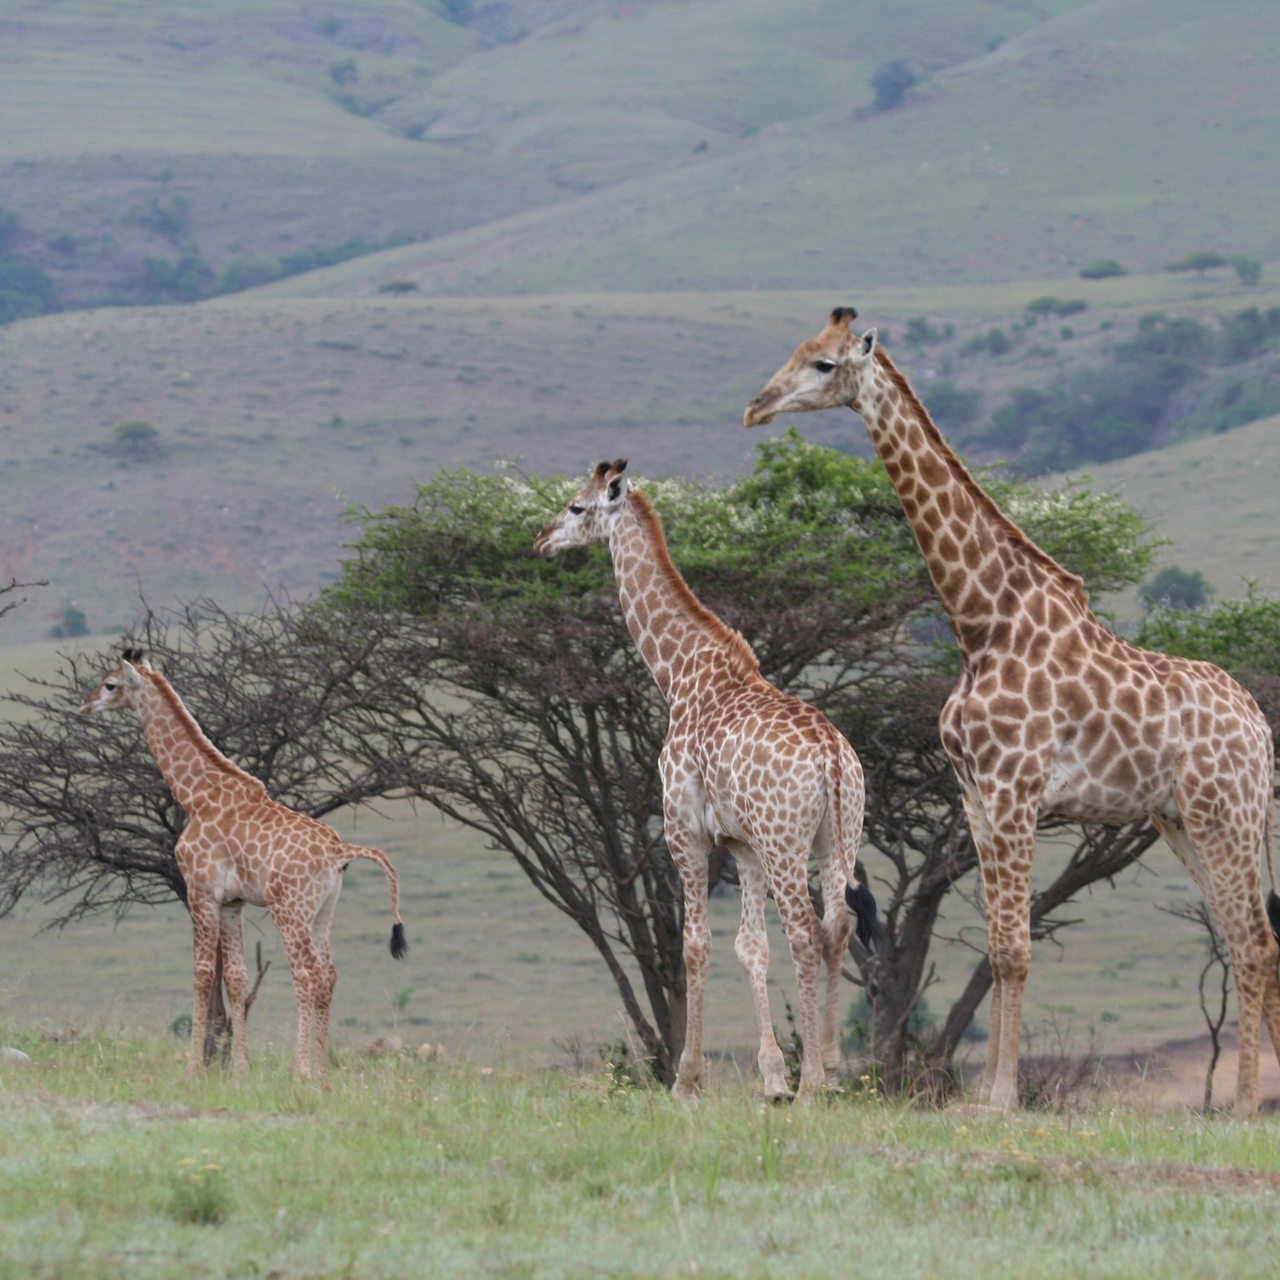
(544, 727)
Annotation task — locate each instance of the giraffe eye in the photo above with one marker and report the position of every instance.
(109, 686)
(823, 365)
(576, 509)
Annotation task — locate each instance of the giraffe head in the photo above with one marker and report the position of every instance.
(823, 372)
(588, 517)
(122, 686)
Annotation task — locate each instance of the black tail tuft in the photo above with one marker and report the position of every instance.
(858, 899)
(1273, 912)
(398, 945)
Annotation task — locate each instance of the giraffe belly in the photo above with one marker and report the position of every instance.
(1073, 791)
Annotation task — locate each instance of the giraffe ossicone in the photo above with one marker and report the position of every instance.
(1053, 713)
(241, 846)
(744, 766)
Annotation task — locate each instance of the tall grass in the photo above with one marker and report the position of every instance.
(112, 1163)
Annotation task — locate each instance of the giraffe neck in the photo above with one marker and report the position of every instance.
(983, 567)
(668, 624)
(190, 763)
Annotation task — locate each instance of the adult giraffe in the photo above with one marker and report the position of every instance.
(240, 845)
(745, 766)
(1053, 713)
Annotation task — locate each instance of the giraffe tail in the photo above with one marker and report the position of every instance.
(848, 838)
(399, 946)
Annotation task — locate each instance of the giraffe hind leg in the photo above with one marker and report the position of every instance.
(751, 946)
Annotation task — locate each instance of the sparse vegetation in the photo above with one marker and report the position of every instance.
(890, 83)
(1103, 269)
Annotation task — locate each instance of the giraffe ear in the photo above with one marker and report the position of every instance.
(617, 486)
(867, 343)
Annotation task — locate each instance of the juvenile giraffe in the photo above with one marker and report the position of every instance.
(744, 766)
(1054, 714)
(239, 846)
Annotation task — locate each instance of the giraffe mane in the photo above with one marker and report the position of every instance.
(742, 655)
(1070, 582)
(198, 735)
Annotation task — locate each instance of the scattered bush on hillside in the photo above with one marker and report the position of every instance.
(398, 286)
(25, 291)
(1102, 269)
(74, 623)
(136, 437)
(951, 406)
(248, 271)
(1248, 268)
(890, 83)
(1176, 588)
(167, 214)
(344, 71)
(1206, 260)
(1049, 306)
(921, 332)
(1123, 406)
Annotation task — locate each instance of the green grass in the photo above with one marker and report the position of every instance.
(114, 1163)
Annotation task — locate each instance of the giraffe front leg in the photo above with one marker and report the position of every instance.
(752, 949)
(204, 931)
(690, 854)
(1008, 890)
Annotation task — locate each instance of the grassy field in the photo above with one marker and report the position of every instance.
(114, 1164)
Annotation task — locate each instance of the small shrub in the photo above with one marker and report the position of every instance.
(1102, 269)
(890, 82)
(398, 286)
(136, 436)
(200, 1193)
(1248, 269)
(1175, 588)
(344, 71)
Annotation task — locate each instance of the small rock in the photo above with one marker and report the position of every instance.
(13, 1055)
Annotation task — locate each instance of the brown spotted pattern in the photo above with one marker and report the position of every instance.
(1055, 715)
(239, 846)
(744, 766)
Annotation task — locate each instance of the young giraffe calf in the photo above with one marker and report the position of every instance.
(239, 846)
(744, 766)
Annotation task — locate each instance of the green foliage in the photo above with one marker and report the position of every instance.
(950, 405)
(890, 82)
(1205, 260)
(398, 286)
(1248, 268)
(1103, 269)
(344, 71)
(1249, 332)
(186, 279)
(25, 290)
(1242, 636)
(199, 1192)
(921, 332)
(1050, 306)
(248, 271)
(1175, 588)
(136, 436)
(74, 623)
(167, 214)
(1095, 415)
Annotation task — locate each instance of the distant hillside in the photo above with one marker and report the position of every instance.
(272, 415)
(165, 152)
